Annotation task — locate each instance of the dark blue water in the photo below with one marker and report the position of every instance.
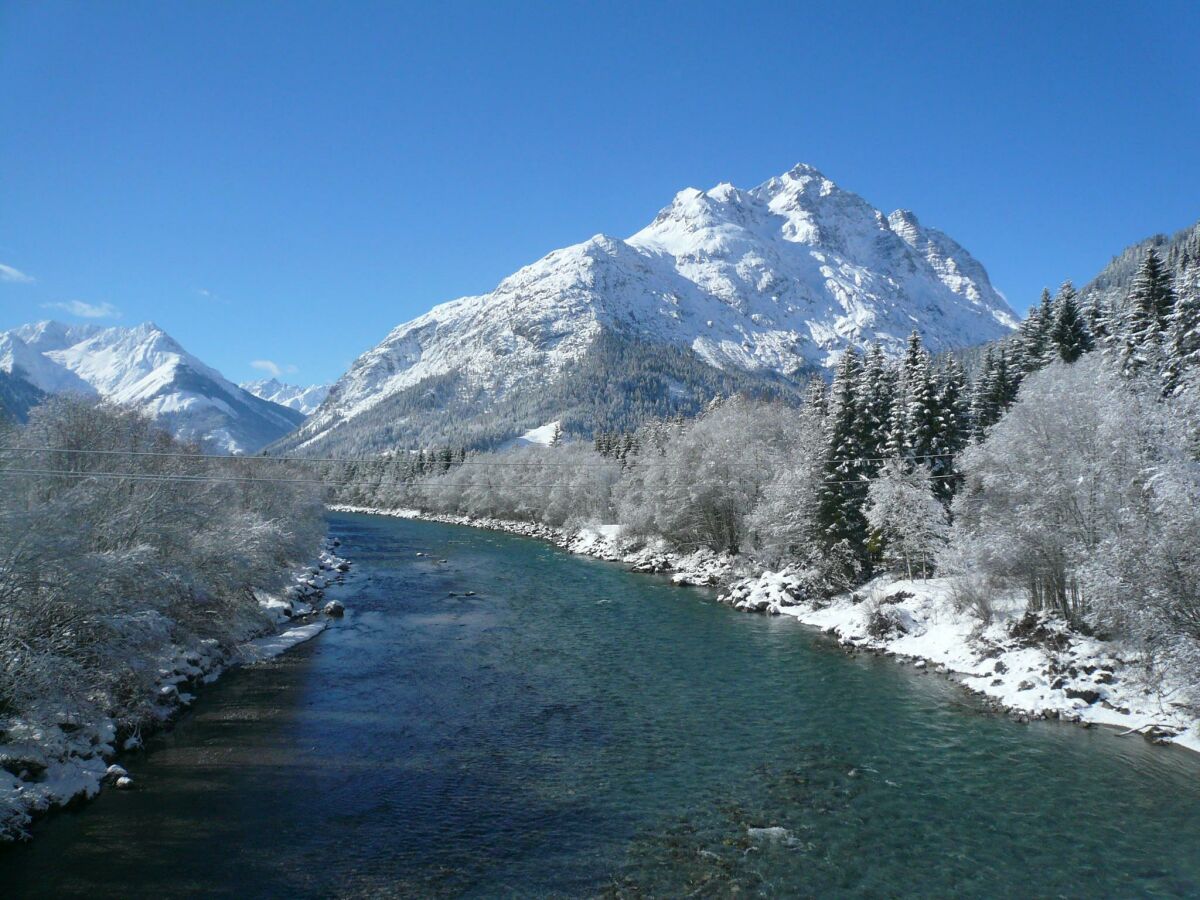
(574, 729)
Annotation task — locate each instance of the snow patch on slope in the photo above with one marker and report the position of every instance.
(21, 361)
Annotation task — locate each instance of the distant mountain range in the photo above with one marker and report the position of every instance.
(301, 399)
(142, 367)
(725, 290)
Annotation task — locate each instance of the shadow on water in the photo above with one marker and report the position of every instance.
(573, 729)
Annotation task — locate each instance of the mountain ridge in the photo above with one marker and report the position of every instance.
(770, 283)
(145, 368)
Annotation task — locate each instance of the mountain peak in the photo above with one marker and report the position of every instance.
(302, 399)
(804, 170)
(764, 285)
(145, 368)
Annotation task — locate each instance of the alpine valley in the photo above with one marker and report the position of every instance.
(726, 290)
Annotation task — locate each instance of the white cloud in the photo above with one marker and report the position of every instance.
(86, 310)
(273, 369)
(15, 276)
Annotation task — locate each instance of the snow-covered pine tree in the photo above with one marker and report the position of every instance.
(913, 368)
(1147, 313)
(1098, 319)
(839, 518)
(1183, 332)
(984, 405)
(953, 427)
(1033, 336)
(875, 390)
(816, 395)
(1068, 336)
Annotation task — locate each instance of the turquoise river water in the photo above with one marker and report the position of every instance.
(573, 729)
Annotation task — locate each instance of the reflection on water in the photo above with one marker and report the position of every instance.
(532, 740)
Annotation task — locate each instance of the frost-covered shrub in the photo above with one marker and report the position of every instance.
(110, 559)
(909, 521)
(700, 490)
(1086, 495)
(1053, 479)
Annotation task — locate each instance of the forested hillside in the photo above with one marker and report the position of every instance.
(617, 384)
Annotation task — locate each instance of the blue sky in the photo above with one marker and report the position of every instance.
(288, 181)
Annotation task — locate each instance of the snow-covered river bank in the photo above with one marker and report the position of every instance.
(496, 717)
(1030, 667)
(59, 753)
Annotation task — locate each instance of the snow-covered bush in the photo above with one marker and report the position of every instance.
(1051, 480)
(1086, 495)
(701, 488)
(909, 522)
(112, 557)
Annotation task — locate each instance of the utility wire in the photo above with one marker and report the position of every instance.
(470, 461)
(238, 479)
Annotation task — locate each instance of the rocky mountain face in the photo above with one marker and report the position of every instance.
(726, 289)
(293, 396)
(147, 369)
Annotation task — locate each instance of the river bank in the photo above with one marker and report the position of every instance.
(496, 717)
(1029, 667)
(59, 753)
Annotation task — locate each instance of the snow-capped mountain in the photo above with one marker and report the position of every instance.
(22, 361)
(293, 396)
(146, 368)
(759, 285)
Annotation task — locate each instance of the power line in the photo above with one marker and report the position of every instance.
(350, 460)
(240, 479)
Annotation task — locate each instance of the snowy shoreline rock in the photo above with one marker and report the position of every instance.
(1030, 668)
(43, 767)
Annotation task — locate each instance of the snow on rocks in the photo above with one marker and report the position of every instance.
(51, 756)
(307, 591)
(1030, 666)
(272, 645)
(702, 567)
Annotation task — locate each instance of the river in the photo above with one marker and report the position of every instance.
(574, 729)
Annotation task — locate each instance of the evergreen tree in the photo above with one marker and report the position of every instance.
(1147, 315)
(914, 369)
(840, 521)
(1069, 338)
(1183, 333)
(1098, 319)
(984, 404)
(953, 426)
(1033, 336)
(875, 396)
(816, 395)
